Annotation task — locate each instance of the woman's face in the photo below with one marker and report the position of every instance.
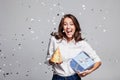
(69, 27)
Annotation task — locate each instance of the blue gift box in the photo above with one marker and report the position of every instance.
(81, 62)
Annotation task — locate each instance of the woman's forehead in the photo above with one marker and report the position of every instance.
(67, 19)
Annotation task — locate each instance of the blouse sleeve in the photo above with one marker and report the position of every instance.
(50, 50)
(88, 49)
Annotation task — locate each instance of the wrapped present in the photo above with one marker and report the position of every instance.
(81, 62)
(56, 57)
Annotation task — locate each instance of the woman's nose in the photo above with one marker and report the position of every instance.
(68, 26)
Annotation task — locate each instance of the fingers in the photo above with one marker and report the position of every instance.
(84, 73)
(53, 63)
(60, 62)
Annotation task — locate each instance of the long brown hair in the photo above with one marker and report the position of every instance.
(60, 34)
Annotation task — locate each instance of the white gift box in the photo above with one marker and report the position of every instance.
(81, 62)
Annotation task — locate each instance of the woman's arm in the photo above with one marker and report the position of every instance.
(88, 49)
(50, 51)
(96, 65)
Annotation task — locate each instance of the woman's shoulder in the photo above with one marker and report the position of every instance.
(83, 43)
(53, 38)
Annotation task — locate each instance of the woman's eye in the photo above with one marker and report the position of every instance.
(68, 24)
(71, 24)
(65, 24)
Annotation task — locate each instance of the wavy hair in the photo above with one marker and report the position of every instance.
(60, 34)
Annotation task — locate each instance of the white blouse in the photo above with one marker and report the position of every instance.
(68, 51)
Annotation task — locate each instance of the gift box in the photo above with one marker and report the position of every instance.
(81, 62)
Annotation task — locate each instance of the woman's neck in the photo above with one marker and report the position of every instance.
(69, 39)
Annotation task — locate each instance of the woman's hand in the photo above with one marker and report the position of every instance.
(84, 73)
(53, 63)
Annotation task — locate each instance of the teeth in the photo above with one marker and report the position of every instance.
(68, 31)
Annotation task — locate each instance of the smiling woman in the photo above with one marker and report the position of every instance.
(67, 44)
(69, 28)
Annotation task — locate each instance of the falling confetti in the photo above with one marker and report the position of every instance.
(84, 7)
(54, 5)
(17, 73)
(101, 10)
(58, 14)
(54, 28)
(22, 34)
(80, 13)
(32, 19)
(29, 6)
(10, 64)
(39, 20)
(92, 9)
(4, 64)
(29, 28)
(19, 44)
(26, 75)
(104, 30)
(37, 15)
(104, 18)
(42, 42)
(40, 63)
(46, 72)
(32, 32)
(62, 13)
(43, 3)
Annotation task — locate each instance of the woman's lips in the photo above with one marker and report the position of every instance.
(68, 31)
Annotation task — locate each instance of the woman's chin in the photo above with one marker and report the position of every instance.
(69, 36)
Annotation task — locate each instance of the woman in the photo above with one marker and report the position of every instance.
(69, 41)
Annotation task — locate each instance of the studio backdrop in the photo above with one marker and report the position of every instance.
(25, 27)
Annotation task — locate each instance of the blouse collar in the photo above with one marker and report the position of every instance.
(71, 41)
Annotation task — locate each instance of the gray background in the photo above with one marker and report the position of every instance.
(25, 27)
